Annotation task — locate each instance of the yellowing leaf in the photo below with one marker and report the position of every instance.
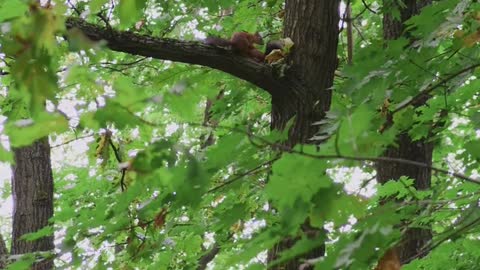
(274, 56)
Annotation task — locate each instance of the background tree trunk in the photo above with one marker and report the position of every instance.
(313, 27)
(420, 151)
(3, 253)
(32, 191)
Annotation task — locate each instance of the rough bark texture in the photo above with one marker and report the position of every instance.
(421, 151)
(3, 253)
(313, 27)
(32, 190)
(394, 28)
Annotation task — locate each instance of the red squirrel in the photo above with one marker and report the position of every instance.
(242, 43)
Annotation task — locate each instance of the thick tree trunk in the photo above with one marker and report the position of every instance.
(420, 151)
(313, 27)
(32, 190)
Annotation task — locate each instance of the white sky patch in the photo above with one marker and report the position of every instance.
(354, 180)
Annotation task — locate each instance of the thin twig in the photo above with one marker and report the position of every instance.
(74, 8)
(125, 64)
(349, 33)
(116, 151)
(427, 91)
(240, 176)
(368, 7)
(72, 140)
(427, 249)
(359, 32)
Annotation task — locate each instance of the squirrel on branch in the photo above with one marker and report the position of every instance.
(241, 43)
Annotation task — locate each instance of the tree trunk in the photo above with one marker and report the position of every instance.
(420, 151)
(313, 27)
(3, 253)
(32, 191)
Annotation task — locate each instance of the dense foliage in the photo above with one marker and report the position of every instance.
(166, 180)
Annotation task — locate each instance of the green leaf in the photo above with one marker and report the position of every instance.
(294, 181)
(473, 148)
(36, 78)
(131, 11)
(227, 215)
(11, 9)
(117, 114)
(404, 118)
(190, 183)
(45, 231)
(396, 188)
(333, 204)
(24, 132)
(220, 154)
(24, 264)
(96, 5)
(5, 156)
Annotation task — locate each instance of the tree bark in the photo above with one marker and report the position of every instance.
(421, 151)
(32, 191)
(3, 253)
(313, 27)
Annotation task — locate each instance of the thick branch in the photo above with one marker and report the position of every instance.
(190, 52)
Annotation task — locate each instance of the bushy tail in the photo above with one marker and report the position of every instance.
(217, 41)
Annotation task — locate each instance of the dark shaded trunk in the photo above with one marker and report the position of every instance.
(32, 191)
(394, 28)
(313, 27)
(3, 253)
(421, 151)
(414, 238)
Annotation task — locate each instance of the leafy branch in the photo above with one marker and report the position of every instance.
(417, 100)
(288, 149)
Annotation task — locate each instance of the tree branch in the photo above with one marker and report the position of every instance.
(191, 52)
(420, 98)
(208, 257)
